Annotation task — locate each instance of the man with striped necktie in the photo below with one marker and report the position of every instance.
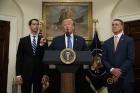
(29, 65)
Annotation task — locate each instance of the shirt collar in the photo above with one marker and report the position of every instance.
(71, 35)
(34, 35)
(119, 35)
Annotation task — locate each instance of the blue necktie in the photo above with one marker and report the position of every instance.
(34, 45)
(69, 42)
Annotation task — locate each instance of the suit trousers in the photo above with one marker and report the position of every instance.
(35, 81)
(121, 87)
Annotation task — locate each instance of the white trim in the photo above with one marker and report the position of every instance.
(130, 17)
(12, 49)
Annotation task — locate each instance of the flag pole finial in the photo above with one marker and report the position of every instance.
(95, 21)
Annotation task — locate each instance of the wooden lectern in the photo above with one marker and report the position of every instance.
(67, 70)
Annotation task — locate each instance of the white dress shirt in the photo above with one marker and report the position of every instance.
(71, 38)
(32, 37)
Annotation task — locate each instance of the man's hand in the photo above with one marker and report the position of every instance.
(116, 72)
(19, 80)
(45, 82)
(42, 41)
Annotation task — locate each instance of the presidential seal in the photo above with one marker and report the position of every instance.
(67, 56)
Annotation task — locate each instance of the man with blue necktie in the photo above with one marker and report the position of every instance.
(118, 59)
(69, 40)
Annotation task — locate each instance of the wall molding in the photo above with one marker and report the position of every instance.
(22, 16)
(12, 49)
(130, 17)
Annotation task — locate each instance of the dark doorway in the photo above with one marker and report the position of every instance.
(4, 52)
(132, 29)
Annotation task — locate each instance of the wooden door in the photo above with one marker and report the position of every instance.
(132, 29)
(4, 51)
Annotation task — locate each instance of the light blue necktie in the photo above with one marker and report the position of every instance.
(69, 42)
(34, 45)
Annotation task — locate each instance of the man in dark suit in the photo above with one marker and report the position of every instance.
(118, 58)
(29, 65)
(77, 43)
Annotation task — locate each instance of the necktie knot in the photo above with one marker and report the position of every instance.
(115, 36)
(69, 37)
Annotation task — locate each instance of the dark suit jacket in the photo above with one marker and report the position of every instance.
(122, 58)
(82, 85)
(58, 43)
(28, 65)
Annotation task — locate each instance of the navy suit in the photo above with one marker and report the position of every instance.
(58, 43)
(122, 58)
(81, 84)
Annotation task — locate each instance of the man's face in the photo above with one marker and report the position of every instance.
(34, 26)
(117, 27)
(68, 26)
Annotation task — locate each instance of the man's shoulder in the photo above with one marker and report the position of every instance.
(128, 39)
(79, 37)
(24, 38)
(58, 37)
(108, 40)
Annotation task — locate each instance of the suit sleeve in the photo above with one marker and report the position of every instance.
(105, 58)
(45, 66)
(84, 45)
(52, 45)
(19, 58)
(129, 62)
(45, 46)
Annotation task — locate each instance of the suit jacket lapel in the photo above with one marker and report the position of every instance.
(63, 42)
(38, 43)
(112, 44)
(29, 44)
(120, 43)
(74, 42)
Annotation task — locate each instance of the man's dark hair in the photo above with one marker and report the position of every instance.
(122, 23)
(32, 20)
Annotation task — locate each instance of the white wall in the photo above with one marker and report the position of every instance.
(31, 9)
(10, 8)
(19, 12)
(127, 10)
(9, 11)
(102, 10)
